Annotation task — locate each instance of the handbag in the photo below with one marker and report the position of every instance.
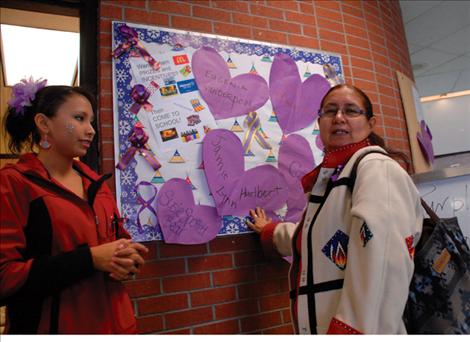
(439, 297)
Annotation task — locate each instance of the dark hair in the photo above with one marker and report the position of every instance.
(374, 138)
(21, 126)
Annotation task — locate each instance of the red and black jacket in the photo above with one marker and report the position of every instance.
(47, 278)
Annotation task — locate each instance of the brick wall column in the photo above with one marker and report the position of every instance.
(226, 286)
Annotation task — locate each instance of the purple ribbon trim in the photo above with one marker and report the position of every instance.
(131, 42)
(145, 204)
(140, 95)
(138, 141)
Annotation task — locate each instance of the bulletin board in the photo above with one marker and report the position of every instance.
(167, 107)
(416, 125)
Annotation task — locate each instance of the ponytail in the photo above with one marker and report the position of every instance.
(376, 139)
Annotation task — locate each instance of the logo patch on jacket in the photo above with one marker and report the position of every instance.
(366, 234)
(410, 245)
(336, 249)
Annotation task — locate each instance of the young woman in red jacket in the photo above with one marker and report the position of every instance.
(63, 252)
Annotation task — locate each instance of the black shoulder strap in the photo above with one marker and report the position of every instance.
(352, 180)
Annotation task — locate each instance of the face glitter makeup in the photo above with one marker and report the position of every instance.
(69, 127)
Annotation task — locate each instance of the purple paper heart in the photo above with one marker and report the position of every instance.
(296, 104)
(181, 220)
(424, 139)
(235, 190)
(295, 160)
(226, 97)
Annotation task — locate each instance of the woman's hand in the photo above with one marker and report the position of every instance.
(259, 220)
(130, 258)
(120, 258)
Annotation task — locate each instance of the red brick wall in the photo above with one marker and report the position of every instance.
(226, 286)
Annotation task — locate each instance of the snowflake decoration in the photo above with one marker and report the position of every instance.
(141, 35)
(166, 39)
(132, 229)
(133, 193)
(126, 177)
(223, 44)
(121, 76)
(232, 228)
(127, 113)
(247, 49)
(127, 210)
(195, 41)
(153, 34)
(317, 60)
(272, 50)
(153, 235)
(325, 58)
(295, 53)
(124, 145)
(238, 48)
(120, 94)
(126, 63)
(124, 127)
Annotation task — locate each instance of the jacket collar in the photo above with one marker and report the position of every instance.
(334, 158)
(340, 155)
(29, 163)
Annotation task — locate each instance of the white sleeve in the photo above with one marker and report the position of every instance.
(386, 213)
(282, 237)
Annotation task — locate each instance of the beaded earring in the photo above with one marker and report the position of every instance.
(44, 143)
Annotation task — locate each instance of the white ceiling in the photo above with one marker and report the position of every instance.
(438, 35)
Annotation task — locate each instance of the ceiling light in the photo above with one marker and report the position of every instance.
(445, 96)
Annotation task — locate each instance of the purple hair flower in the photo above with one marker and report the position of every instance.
(24, 93)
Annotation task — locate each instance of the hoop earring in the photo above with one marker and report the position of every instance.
(44, 143)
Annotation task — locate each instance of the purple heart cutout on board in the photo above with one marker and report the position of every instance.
(295, 160)
(226, 97)
(425, 143)
(181, 220)
(235, 190)
(296, 104)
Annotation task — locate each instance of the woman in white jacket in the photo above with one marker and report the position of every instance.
(352, 252)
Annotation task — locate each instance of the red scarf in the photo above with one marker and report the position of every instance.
(332, 159)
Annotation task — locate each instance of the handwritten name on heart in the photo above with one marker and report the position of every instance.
(181, 220)
(227, 97)
(296, 104)
(235, 190)
(295, 160)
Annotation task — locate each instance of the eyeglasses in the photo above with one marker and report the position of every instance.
(347, 111)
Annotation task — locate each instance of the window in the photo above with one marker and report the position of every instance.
(40, 53)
